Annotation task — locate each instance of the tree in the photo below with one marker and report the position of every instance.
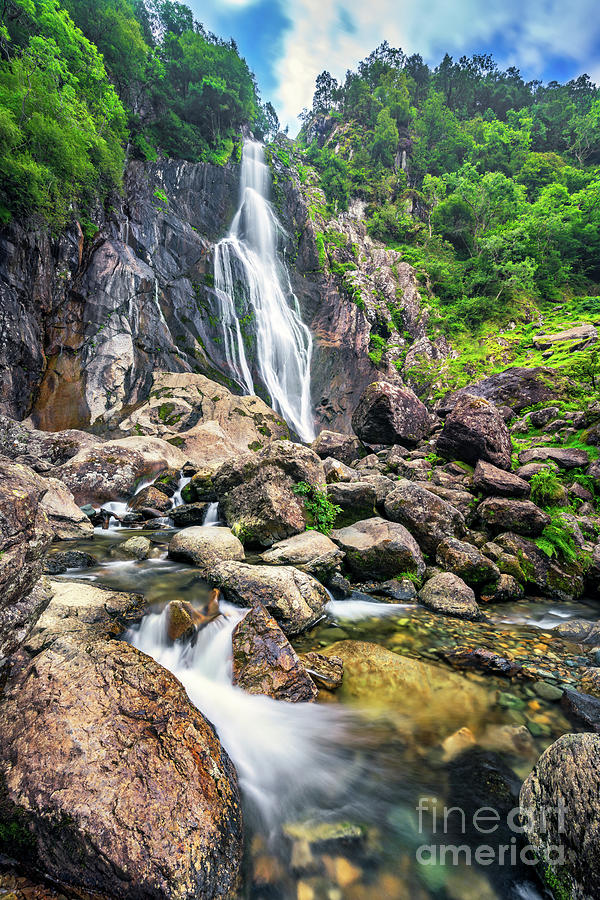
(325, 96)
(385, 140)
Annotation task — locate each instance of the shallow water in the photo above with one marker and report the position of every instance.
(360, 761)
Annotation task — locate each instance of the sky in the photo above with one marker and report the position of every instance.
(287, 43)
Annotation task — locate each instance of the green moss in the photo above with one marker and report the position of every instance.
(255, 446)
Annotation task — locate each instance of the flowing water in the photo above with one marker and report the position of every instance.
(252, 285)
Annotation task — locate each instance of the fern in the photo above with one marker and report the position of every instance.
(558, 540)
(321, 511)
(545, 488)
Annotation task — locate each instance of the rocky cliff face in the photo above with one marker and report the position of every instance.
(85, 321)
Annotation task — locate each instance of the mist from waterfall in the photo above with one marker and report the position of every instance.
(248, 270)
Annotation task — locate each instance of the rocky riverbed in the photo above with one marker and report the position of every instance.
(255, 668)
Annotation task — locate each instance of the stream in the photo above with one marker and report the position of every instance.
(331, 790)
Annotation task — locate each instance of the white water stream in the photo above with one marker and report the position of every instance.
(251, 280)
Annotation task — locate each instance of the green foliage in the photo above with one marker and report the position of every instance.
(586, 367)
(321, 511)
(558, 541)
(559, 882)
(546, 488)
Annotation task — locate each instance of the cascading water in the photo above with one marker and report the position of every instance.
(250, 279)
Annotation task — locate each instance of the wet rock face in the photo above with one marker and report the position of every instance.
(264, 661)
(295, 599)
(25, 535)
(121, 743)
(389, 414)
(475, 430)
(564, 786)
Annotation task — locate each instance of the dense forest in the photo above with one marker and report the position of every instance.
(85, 85)
(488, 184)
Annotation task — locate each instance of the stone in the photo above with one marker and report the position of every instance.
(257, 492)
(150, 498)
(482, 659)
(579, 334)
(426, 516)
(205, 547)
(356, 501)
(112, 470)
(200, 487)
(326, 671)
(448, 594)
(390, 414)
(167, 481)
(548, 691)
(521, 516)
(180, 621)
(506, 590)
(311, 552)
(580, 631)
(344, 447)
(52, 447)
(582, 707)
(541, 417)
(25, 536)
(549, 576)
(336, 471)
(376, 548)
(264, 661)
(467, 562)
(57, 563)
(119, 739)
(566, 458)
(188, 514)
(381, 485)
(516, 387)
(295, 599)
(138, 547)
(401, 590)
(475, 430)
(489, 479)
(527, 471)
(564, 787)
(66, 519)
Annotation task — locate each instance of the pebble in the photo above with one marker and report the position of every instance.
(547, 691)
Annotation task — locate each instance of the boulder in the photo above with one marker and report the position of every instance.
(579, 335)
(390, 414)
(150, 498)
(295, 599)
(517, 387)
(347, 448)
(188, 514)
(180, 620)
(58, 563)
(66, 519)
(427, 517)
(52, 447)
(521, 516)
(111, 470)
(376, 548)
(311, 552)
(336, 471)
(489, 479)
(551, 577)
(355, 500)
(382, 486)
(264, 661)
(120, 740)
(475, 430)
(257, 496)
(505, 590)
(448, 594)
(25, 535)
(205, 547)
(566, 458)
(467, 562)
(138, 547)
(559, 802)
(167, 481)
(583, 708)
(326, 671)
(200, 487)
(541, 417)
(580, 631)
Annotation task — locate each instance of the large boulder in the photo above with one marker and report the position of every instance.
(565, 457)
(136, 798)
(559, 801)
(111, 470)
(522, 516)
(578, 336)
(295, 599)
(205, 547)
(264, 661)
(467, 562)
(150, 498)
(390, 414)
(489, 479)
(311, 552)
(52, 447)
(428, 518)
(448, 594)
(355, 500)
(182, 404)
(257, 492)
(66, 519)
(376, 548)
(25, 535)
(345, 447)
(516, 387)
(475, 430)
(550, 576)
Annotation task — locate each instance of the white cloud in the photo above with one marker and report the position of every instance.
(533, 30)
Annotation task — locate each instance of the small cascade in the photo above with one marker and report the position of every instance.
(291, 758)
(212, 514)
(177, 499)
(252, 282)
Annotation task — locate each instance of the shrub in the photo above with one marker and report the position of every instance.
(546, 488)
(321, 511)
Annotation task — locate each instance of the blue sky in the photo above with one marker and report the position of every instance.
(288, 42)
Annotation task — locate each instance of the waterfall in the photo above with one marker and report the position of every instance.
(251, 281)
